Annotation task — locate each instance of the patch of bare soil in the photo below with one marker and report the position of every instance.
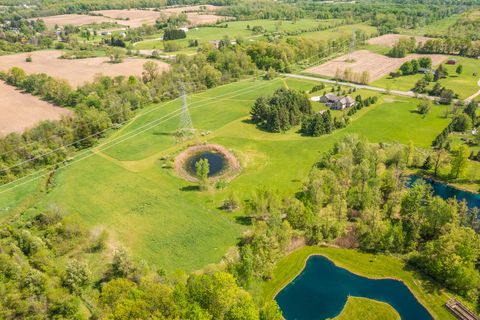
(19, 111)
(375, 64)
(72, 19)
(232, 165)
(75, 71)
(389, 40)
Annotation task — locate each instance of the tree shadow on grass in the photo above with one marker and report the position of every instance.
(190, 188)
(159, 133)
(244, 220)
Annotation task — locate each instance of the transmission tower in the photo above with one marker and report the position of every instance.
(185, 129)
(353, 42)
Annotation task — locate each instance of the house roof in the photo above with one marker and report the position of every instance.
(332, 97)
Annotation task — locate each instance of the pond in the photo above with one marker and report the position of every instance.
(215, 160)
(445, 191)
(321, 291)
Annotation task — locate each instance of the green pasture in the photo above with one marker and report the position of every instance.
(465, 84)
(437, 28)
(367, 265)
(234, 30)
(345, 30)
(126, 186)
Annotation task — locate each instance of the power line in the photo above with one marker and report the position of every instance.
(170, 116)
(96, 134)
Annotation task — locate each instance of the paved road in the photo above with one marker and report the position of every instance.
(360, 86)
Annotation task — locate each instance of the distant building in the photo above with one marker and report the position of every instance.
(184, 29)
(452, 61)
(337, 103)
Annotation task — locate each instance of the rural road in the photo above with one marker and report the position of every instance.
(361, 86)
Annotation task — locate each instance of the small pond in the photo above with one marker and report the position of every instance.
(445, 191)
(215, 160)
(321, 291)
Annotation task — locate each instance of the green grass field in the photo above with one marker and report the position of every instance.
(234, 30)
(364, 264)
(338, 32)
(121, 186)
(362, 308)
(465, 84)
(438, 28)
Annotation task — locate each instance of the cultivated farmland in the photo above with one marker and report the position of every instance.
(135, 18)
(76, 71)
(19, 111)
(375, 64)
(389, 40)
(72, 19)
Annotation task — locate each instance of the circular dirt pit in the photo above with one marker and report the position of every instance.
(223, 164)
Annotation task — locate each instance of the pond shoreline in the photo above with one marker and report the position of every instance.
(339, 265)
(400, 306)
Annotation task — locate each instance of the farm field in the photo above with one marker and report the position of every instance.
(234, 30)
(465, 84)
(123, 186)
(364, 264)
(375, 64)
(75, 71)
(72, 19)
(389, 40)
(340, 31)
(135, 18)
(19, 111)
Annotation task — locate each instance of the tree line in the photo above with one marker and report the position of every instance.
(358, 196)
(54, 269)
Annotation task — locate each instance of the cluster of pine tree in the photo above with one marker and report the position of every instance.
(460, 123)
(360, 104)
(281, 111)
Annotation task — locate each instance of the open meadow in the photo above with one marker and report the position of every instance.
(234, 30)
(465, 84)
(375, 64)
(75, 71)
(19, 111)
(126, 186)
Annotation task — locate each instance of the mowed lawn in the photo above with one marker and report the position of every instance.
(465, 84)
(121, 185)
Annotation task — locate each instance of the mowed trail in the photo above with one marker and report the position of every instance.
(75, 71)
(19, 111)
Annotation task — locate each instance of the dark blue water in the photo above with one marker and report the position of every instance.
(215, 160)
(322, 289)
(445, 191)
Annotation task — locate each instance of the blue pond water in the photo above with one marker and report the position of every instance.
(445, 191)
(321, 291)
(215, 160)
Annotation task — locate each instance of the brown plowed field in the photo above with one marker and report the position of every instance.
(72, 19)
(389, 40)
(19, 111)
(136, 17)
(75, 71)
(376, 64)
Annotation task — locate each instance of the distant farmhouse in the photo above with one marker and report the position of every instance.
(335, 102)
